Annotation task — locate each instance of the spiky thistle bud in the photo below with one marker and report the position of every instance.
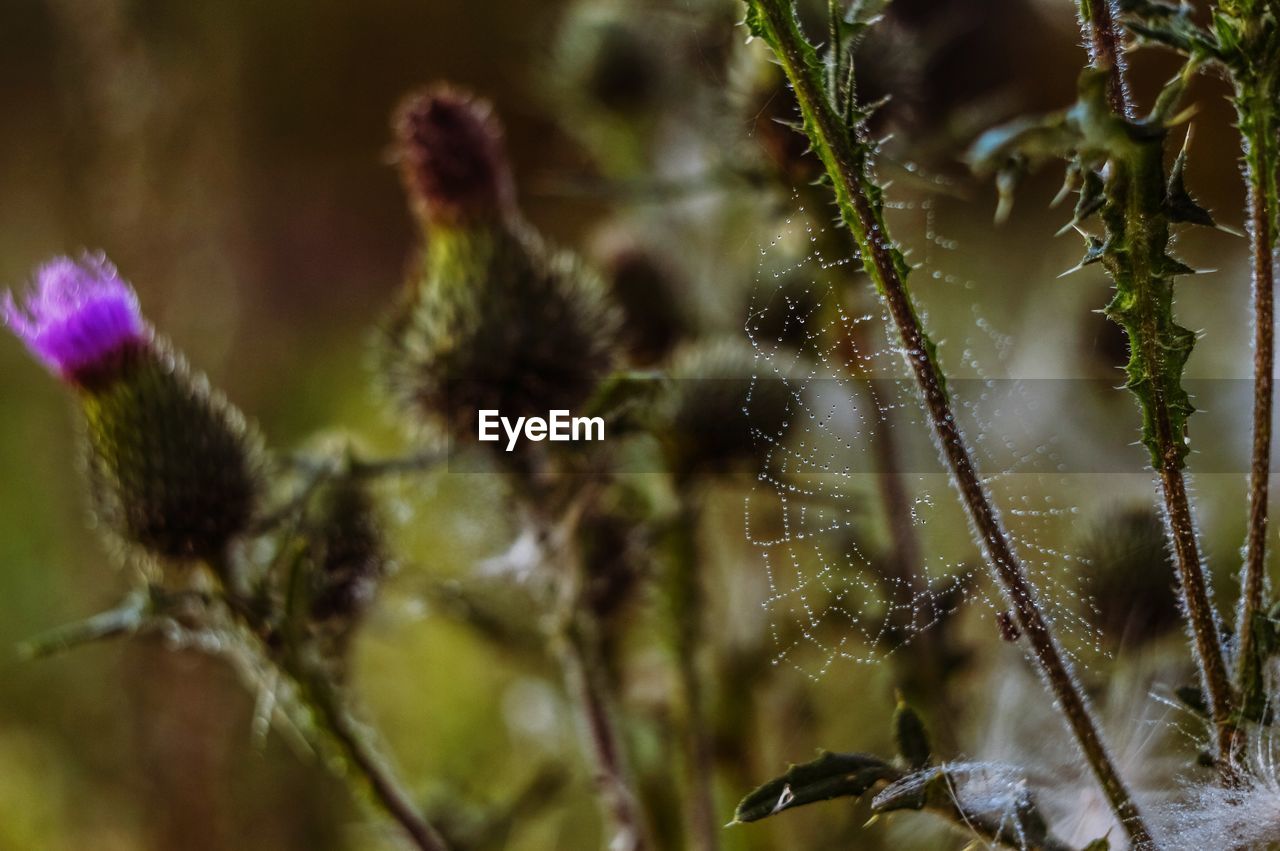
(648, 293)
(173, 467)
(723, 409)
(492, 318)
(611, 58)
(1128, 569)
(452, 159)
(346, 556)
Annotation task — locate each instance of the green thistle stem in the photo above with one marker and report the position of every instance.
(857, 197)
(1135, 254)
(585, 673)
(1159, 347)
(323, 701)
(360, 757)
(585, 677)
(688, 603)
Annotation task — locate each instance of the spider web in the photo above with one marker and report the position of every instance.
(841, 586)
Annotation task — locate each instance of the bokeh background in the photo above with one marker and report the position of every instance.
(233, 159)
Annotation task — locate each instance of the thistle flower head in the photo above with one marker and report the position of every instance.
(452, 158)
(79, 318)
(173, 468)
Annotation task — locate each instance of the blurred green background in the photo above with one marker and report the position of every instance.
(232, 159)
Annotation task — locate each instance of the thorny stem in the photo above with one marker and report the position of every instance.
(1167, 441)
(775, 20)
(903, 568)
(317, 694)
(1140, 211)
(1260, 177)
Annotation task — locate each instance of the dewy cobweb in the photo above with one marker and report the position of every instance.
(843, 584)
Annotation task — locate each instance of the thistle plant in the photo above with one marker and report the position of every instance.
(459, 345)
(1243, 40)
(178, 477)
(1138, 203)
(646, 669)
(832, 120)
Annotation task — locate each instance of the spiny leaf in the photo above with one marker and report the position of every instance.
(1092, 195)
(831, 775)
(1171, 266)
(754, 22)
(928, 788)
(1167, 24)
(1070, 182)
(1179, 203)
(1094, 252)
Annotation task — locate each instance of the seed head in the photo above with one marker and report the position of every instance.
(649, 295)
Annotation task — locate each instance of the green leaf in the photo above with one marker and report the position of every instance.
(831, 775)
(754, 21)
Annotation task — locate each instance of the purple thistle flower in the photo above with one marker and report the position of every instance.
(80, 316)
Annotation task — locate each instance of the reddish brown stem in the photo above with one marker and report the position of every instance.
(1106, 50)
(1258, 176)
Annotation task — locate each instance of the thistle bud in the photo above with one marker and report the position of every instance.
(611, 59)
(492, 318)
(452, 159)
(723, 410)
(173, 468)
(1131, 575)
(347, 558)
(648, 293)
